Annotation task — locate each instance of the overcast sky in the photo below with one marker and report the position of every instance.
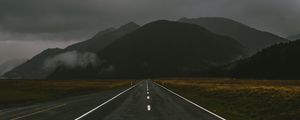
(57, 23)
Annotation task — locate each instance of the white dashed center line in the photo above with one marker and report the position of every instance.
(147, 85)
(148, 97)
(148, 107)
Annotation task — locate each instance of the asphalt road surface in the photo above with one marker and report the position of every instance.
(144, 101)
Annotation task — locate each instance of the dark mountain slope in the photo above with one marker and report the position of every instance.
(163, 48)
(104, 38)
(34, 68)
(281, 61)
(251, 38)
(10, 64)
(294, 37)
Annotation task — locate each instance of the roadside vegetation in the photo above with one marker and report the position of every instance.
(243, 99)
(15, 92)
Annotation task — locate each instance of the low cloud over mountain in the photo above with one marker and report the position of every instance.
(71, 60)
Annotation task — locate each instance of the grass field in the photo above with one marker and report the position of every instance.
(30, 91)
(243, 99)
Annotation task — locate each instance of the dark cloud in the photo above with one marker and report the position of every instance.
(60, 17)
(74, 20)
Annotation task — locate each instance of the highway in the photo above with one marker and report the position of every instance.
(146, 100)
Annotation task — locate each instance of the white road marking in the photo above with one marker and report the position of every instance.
(147, 93)
(40, 111)
(148, 107)
(105, 102)
(191, 102)
(147, 85)
(148, 97)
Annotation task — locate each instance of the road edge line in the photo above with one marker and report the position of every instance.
(191, 102)
(85, 114)
(39, 111)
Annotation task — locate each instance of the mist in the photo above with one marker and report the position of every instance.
(71, 59)
(27, 49)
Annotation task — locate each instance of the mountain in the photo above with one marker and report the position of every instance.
(280, 61)
(35, 67)
(103, 38)
(10, 64)
(294, 37)
(251, 38)
(160, 49)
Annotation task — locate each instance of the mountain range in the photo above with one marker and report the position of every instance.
(161, 49)
(280, 61)
(158, 49)
(35, 67)
(251, 38)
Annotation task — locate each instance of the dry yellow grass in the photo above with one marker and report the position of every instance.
(243, 99)
(279, 88)
(24, 91)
